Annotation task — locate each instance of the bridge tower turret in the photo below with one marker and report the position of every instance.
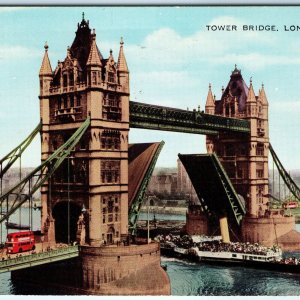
(210, 109)
(256, 113)
(210, 102)
(45, 77)
(122, 68)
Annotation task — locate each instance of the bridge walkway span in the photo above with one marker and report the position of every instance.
(29, 259)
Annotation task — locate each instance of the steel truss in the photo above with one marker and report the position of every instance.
(156, 117)
(15, 198)
(236, 205)
(14, 154)
(292, 186)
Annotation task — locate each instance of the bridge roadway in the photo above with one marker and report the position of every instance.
(43, 254)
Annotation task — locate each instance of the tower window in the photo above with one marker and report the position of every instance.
(71, 79)
(260, 149)
(65, 80)
(65, 102)
(110, 140)
(94, 77)
(111, 109)
(111, 77)
(78, 100)
(110, 206)
(259, 170)
(110, 218)
(111, 212)
(110, 171)
(59, 103)
(72, 101)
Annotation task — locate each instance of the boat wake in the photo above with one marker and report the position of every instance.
(177, 260)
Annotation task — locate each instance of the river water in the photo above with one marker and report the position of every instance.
(189, 278)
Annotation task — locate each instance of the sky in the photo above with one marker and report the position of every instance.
(172, 58)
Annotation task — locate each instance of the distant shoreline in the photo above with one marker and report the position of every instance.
(165, 210)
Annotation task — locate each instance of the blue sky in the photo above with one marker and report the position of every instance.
(172, 59)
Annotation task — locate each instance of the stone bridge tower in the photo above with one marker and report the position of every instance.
(87, 198)
(245, 157)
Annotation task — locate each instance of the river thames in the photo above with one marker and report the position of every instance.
(193, 279)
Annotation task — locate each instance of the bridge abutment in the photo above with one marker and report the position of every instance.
(107, 270)
(196, 221)
(268, 230)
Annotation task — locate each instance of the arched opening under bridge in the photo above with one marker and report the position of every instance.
(63, 219)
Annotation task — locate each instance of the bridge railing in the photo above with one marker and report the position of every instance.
(38, 258)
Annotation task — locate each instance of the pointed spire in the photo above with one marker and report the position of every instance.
(210, 98)
(122, 64)
(236, 71)
(46, 66)
(110, 60)
(210, 102)
(251, 94)
(262, 95)
(94, 58)
(68, 52)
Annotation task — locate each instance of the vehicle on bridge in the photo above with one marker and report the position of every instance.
(290, 205)
(17, 242)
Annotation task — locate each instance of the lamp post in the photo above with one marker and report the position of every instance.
(148, 223)
(68, 182)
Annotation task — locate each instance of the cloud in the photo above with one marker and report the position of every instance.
(17, 52)
(165, 48)
(256, 61)
(167, 79)
(168, 88)
(289, 107)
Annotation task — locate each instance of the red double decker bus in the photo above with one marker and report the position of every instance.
(17, 242)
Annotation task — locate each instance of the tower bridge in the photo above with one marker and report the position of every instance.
(93, 182)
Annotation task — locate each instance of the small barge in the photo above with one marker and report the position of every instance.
(11, 225)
